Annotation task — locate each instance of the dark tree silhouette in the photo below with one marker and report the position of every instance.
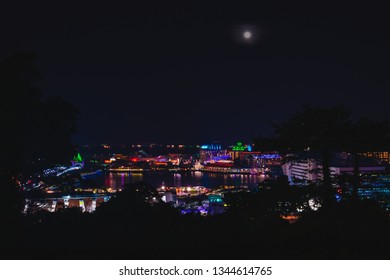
(32, 128)
(19, 100)
(328, 130)
(60, 124)
(319, 129)
(267, 144)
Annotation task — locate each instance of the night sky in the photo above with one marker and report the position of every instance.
(185, 73)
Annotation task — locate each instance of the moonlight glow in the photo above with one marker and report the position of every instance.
(247, 35)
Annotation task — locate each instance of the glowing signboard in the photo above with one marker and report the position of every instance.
(211, 147)
(241, 147)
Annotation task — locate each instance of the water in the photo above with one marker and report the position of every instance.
(208, 180)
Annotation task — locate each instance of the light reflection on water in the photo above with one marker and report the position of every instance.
(208, 180)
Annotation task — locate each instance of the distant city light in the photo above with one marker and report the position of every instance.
(78, 158)
(240, 147)
(211, 147)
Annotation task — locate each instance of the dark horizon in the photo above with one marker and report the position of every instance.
(186, 73)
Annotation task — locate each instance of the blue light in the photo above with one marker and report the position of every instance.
(211, 147)
(268, 156)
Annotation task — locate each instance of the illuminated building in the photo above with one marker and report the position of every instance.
(118, 157)
(222, 161)
(78, 161)
(215, 204)
(383, 156)
(239, 148)
(167, 197)
(309, 167)
(227, 166)
(211, 153)
(259, 159)
(86, 203)
(214, 198)
(268, 158)
(303, 169)
(244, 156)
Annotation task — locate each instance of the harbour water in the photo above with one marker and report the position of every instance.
(208, 180)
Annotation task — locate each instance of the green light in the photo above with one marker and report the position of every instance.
(238, 147)
(78, 158)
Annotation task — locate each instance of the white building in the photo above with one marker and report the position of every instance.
(167, 197)
(310, 169)
(301, 169)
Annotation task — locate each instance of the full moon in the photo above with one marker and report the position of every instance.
(247, 35)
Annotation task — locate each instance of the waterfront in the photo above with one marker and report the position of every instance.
(92, 190)
(188, 179)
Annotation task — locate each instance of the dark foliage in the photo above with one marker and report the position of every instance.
(32, 128)
(128, 227)
(35, 133)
